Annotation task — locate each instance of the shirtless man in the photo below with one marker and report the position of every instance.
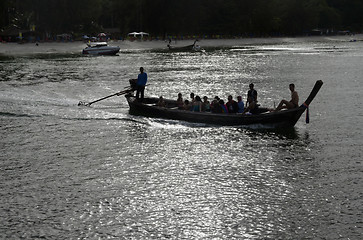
(293, 103)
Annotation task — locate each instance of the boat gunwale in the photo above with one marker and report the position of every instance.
(234, 115)
(278, 119)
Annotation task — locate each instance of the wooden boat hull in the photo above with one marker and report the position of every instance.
(101, 49)
(279, 119)
(181, 49)
(109, 51)
(188, 48)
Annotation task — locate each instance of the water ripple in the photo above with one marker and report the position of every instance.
(98, 172)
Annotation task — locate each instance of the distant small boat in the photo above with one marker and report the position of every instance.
(192, 48)
(100, 48)
(279, 119)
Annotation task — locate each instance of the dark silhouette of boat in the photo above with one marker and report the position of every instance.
(269, 119)
(188, 48)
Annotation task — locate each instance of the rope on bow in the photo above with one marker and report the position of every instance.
(307, 118)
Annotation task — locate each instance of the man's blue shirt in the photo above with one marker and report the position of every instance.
(241, 107)
(142, 79)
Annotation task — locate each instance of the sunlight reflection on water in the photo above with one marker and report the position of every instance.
(98, 172)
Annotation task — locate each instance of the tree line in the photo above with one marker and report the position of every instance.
(183, 17)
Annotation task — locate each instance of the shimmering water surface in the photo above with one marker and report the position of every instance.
(70, 172)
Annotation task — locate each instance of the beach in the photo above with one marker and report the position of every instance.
(77, 46)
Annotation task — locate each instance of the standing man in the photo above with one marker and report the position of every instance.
(252, 93)
(140, 84)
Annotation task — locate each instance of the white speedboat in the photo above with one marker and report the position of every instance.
(100, 48)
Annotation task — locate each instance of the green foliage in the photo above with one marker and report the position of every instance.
(183, 17)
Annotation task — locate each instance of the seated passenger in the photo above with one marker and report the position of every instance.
(187, 105)
(216, 107)
(252, 106)
(205, 104)
(241, 105)
(161, 102)
(224, 106)
(293, 103)
(232, 105)
(179, 101)
(215, 100)
(192, 99)
(197, 104)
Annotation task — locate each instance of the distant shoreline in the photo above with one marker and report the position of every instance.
(10, 49)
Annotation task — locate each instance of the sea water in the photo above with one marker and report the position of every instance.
(76, 172)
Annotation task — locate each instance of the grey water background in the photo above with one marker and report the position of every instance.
(70, 172)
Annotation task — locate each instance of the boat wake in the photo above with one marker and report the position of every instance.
(172, 124)
(16, 115)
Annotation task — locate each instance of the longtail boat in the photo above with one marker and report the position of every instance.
(269, 119)
(189, 48)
